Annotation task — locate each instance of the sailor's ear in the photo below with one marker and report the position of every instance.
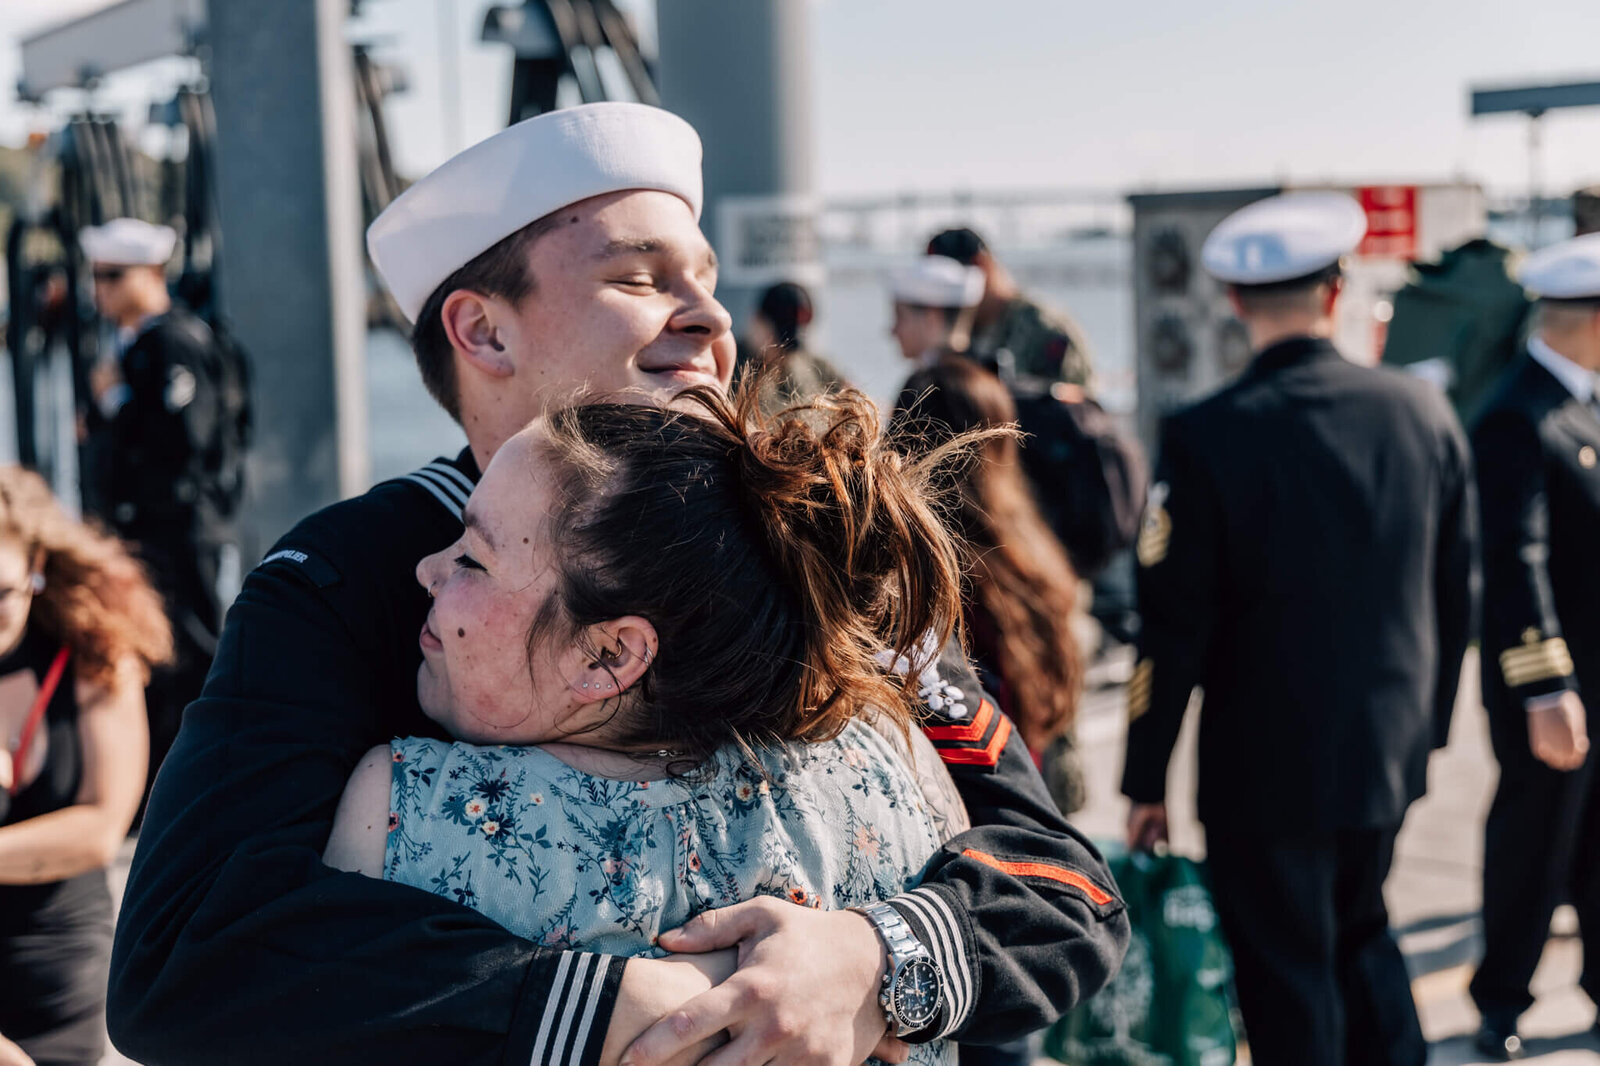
(471, 322)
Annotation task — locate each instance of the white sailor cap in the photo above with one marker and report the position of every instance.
(1284, 237)
(521, 174)
(1566, 271)
(937, 281)
(128, 242)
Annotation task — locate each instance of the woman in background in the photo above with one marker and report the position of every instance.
(1022, 593)
(80, 628)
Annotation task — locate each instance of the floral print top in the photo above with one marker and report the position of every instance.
(571, 860)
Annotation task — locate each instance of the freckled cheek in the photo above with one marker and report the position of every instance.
(487, 654)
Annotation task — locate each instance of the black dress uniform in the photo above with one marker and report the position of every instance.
(236, 944)
(160, 496)
(1536, 447)
(1306, 560)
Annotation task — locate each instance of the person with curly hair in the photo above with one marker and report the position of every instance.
(80, 628)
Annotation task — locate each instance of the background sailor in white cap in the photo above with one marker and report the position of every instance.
(1306, 559)
(166, 465)
(1536, 446)
(934, 301)
(565, 250)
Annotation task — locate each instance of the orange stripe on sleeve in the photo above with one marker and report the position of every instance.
(1098, 895)
(973, 730)
(984, 756)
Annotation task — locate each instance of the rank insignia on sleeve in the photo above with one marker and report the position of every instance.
(1156, 529)
(1069, 878)
(978, 742)
(1538, 660)
(1139, 689)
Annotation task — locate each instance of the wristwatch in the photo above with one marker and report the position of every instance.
(913, 987)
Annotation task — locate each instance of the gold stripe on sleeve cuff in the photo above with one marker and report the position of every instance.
(1527, 663)
(1139, 689)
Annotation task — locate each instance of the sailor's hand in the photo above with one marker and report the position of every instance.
(1558, 733)
(1147, 826)
(805, 992)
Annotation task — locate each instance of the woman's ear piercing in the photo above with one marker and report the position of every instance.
(36, 582)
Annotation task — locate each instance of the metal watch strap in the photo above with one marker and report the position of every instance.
(897, 935)
(901, 944)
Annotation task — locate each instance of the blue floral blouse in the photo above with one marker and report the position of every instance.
(571, 860)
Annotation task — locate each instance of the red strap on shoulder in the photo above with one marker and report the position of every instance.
(52, 679)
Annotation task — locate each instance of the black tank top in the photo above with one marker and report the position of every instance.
(55, 939)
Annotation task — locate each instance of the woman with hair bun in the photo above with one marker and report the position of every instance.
(675, 621)
(80, 628)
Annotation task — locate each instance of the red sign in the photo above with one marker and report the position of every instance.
(1391, 221)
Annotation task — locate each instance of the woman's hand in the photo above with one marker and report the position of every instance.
(805, 994)
(653, 988)
(12, 1055)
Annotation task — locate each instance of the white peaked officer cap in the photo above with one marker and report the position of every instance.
(1566, 271)
(518, 176)
(937, 281)
(128, 242)
(1284, 237)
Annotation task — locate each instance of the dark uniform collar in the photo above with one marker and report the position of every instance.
(1292, 352)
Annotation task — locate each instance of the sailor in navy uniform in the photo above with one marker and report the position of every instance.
(934, 298)
(160, 425)
(1306, 560)
(237, 944)
(1536, 447)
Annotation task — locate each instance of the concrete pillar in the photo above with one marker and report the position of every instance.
(740, 72)
(290, 274)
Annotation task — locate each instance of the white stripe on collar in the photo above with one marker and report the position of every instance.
(450, 504)
(450, 487)
(441, 467)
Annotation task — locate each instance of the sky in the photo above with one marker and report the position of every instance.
(935, 95)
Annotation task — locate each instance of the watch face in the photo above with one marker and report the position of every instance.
(916, 993)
